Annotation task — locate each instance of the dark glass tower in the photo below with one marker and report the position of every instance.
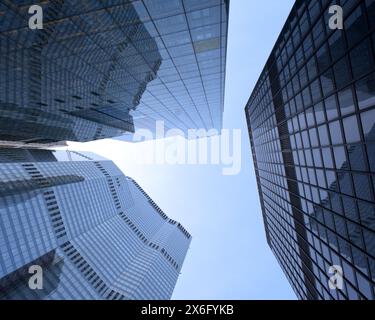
(94, 232)
(100, 69)
(311, 120)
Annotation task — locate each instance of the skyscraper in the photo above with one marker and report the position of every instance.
(94, 232)
(311, 121)
(100, 69)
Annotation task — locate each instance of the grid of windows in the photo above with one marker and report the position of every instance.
(192, 38)
(99, 68)
(107, 240)
(311, 121)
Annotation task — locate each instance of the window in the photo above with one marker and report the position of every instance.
(342, 73)
(362, 186)
(340, 157)
(308, 46)
(345, 182)
(313, 137)
(317, 158)
(327, 158)
(351, 129)
(311, 68)
(314, 9)
(319, 113)
(323, 58)
(355, 26)
(315, 90)
(362, 60)
(368, 124)
(321, 179)
(309, 159)
(327, 82)
(323, 135)
(305, 139)
(331, 107)
(318, 33)
(364, 286)
(335, 130)
(371, 13)
(310, 117)
(366, 91)
(306, 97)
(346, 101)
(371, 155)
(337, 44)
(357, 157)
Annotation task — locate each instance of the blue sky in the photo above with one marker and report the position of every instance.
(228, 257)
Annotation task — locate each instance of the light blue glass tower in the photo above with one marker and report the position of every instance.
(102, 69)
(94, 232)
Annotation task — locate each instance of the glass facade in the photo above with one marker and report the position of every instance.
(311, 120)
(95, 233)
(101, 69)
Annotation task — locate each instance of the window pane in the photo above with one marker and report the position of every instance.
(362, 186)
(331, 107)
(306, 97)
(319, 113)
(355, 26)
(313, 137)
(323, 58)
(368, 123)
(342, 73)
(351, 129)
(366, 91)
(371, 11)
(302, 121)
(346, 101)
(305, 139)
(371, 155)
(327, 82)
(317, 158)
(310, 117)
(308, 156)
(315, 90)
(327, 158)
(345, 181)
(337, 44)
(323, 135)
(335, 131)
(340, 157)
(361, 57)
(357, 157)
(311, 67)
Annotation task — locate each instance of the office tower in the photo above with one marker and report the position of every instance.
(100, 69)
(94, 232)
(311, 123)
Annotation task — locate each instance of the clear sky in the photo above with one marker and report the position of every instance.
(228, 257)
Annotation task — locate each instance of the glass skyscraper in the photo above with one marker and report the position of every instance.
(94, 232)
(100, 69)
(311, 120)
